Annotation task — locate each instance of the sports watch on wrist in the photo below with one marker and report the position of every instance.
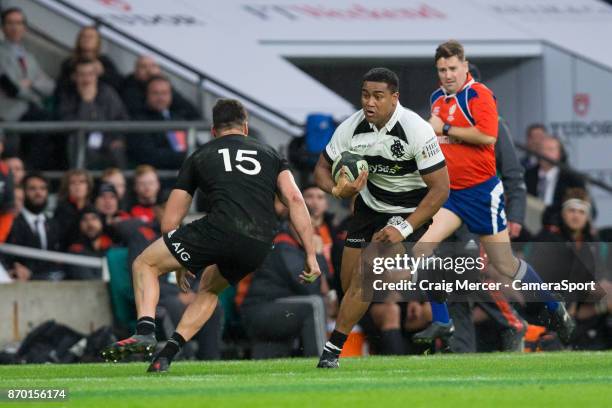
(445, 129)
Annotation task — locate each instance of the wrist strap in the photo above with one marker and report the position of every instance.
(403, 227)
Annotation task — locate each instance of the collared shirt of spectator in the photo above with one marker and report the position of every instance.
(32, 228)
(23, 84)
(549, 182)
(163, 150)
(95, 101)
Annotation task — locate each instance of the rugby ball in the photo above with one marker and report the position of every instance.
(352, 163)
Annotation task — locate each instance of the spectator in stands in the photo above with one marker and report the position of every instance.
(114, 176)
(134, 89)
(278, 308)
(146, 187)
(32, 228)
(536, 132)
(76, 188)
(7, 196)
(88, 47)
(549, 182)
(107, 205)
(19, 198)
(322, 222)
(90, 241)
(24, 89)
(95, 101)
(23, 84)
(574, 253)
(327, 242)
(163, 150)
(15, 164)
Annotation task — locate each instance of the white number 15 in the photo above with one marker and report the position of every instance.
(241, 156)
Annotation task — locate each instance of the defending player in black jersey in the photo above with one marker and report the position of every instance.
(240, 177)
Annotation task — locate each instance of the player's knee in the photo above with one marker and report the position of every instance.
(138, 264)
(141, 265)
(210, 289)
(507, 267)
(212, 283)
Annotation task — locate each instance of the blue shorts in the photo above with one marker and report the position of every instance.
(480, 207)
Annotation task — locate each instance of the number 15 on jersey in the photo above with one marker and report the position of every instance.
(241, 156)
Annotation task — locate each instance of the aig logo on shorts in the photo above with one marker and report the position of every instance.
(180, 251)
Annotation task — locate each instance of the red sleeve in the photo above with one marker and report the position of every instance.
(484, 111)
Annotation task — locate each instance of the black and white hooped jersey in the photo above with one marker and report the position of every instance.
(398, 155)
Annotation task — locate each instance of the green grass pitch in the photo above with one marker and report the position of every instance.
(568, 379)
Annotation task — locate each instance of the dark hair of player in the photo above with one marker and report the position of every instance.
(385, 75)
(228, 113)
(451, 48)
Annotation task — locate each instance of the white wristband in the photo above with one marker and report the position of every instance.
(403, 226)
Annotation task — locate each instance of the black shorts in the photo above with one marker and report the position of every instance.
(365, 222)
(200, 244)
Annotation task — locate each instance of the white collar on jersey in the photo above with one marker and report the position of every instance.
(392, 121)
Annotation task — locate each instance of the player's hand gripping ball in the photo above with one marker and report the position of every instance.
(352, 163)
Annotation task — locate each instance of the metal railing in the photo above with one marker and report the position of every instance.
(62, 258)
(81, 128)
(52, 256)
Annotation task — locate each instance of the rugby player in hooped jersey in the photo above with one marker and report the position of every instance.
(464, 117)
(405, 187)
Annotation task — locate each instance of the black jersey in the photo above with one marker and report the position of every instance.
(238, 175)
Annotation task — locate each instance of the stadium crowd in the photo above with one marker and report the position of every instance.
(270, 309)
